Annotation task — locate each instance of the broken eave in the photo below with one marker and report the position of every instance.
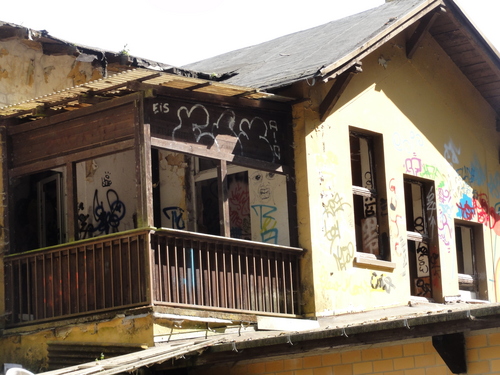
(125, 83)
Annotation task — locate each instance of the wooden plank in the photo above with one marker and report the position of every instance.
(268, 323)
(225, 224)
(204, 151)
(72, 115)
(415, 40)
(211, 98)
(59, 161)
(73, 136)
(337, 90)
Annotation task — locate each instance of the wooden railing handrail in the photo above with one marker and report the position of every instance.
(86, 241)
(228, 240)
(159, 231)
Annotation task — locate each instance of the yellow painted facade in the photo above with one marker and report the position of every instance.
(436, 127)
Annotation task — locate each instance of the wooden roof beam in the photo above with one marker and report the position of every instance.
(336, 91)
(425, 24)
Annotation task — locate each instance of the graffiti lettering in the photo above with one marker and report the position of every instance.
(175, 215)
(381, 282)
(268, 230)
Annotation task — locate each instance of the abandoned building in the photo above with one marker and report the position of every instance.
(322, 203)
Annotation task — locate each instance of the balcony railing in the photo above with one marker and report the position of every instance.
(218, 272)
(150, 267)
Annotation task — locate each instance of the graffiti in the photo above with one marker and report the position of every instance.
(342, 254)
(174, 214)
(494, 185)
(422, 254)
(413, 165)
(106, 180)
(268, 230)
(381, 282)
(369, 229)
(466, 174)
(107, 218)
(197, 124)
(478, 207)
(431, 172)
(430, 204)
(465, 208)
(423, 287)
(451, 152)
(239, 209)
(478, 171)
(402, 143)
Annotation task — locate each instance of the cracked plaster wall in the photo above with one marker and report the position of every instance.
(25, 72)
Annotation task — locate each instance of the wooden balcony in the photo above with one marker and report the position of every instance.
(151, 267)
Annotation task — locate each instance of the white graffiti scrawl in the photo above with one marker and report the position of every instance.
(224, 129)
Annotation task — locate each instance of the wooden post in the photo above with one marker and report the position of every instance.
(225, 225)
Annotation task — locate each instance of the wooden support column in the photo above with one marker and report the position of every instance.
(416, 39)
(225, 225)
(71, 203)
(336, 91)
(145, 216)
(451, 348)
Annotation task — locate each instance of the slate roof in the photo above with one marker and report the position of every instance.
(304, 54)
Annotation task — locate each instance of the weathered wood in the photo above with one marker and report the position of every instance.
(71, 115)
(415, 40)
(253, 133)
(210, 98)
(203, 151)
(72, 136)
(337, 90)
(225, 224)
(71, 195)
(59, 161)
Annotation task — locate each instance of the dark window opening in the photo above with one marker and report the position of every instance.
(417, 226)
(368, 179)
(38, 211)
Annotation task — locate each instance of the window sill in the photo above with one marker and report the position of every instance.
(365, 260)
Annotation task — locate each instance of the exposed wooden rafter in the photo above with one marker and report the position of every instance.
(425, 24)
(337, 89)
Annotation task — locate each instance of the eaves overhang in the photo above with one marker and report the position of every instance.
(343, 336)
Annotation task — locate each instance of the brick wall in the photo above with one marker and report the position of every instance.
(406, 358)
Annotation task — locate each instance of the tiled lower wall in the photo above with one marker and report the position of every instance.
(405, 358)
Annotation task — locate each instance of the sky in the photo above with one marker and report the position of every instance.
(178, 32)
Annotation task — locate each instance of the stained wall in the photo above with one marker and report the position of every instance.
(437, 129)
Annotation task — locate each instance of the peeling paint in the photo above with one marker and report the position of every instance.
(46, 72)
(77, 74)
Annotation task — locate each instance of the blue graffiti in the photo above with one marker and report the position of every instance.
(174, 214)
(268, 230)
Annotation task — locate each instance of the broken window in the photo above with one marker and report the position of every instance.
(191, 192)
(38, 219)
(370, 202)
(468, 240)
(417, 226)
